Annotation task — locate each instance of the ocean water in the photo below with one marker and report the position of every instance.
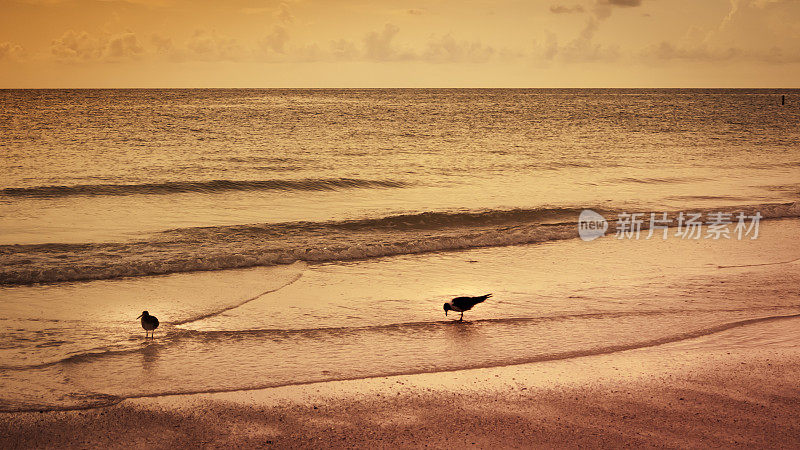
(294, 236)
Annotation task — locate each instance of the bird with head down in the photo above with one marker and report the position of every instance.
(461, 304)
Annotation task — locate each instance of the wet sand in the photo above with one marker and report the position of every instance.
(734, 388)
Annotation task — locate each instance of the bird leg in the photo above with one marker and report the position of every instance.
(461, 319)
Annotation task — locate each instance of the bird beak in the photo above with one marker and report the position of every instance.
(140, 315)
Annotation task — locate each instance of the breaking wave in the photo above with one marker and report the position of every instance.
(239, 246)
(212, 186)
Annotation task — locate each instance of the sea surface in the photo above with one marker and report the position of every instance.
(294, 236)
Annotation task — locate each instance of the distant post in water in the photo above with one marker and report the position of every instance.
(783, 100)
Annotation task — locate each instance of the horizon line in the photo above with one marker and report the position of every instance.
(394, 87)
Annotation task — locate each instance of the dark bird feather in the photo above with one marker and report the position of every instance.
(461, 304)
(466, 303)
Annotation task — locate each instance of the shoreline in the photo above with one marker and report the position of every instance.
(555, 357)
(729, 388)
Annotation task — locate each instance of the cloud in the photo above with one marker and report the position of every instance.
(549, 48)
(561, 9)
(378, 45)
(210, 46)
(731, 14)
(311, 53)
(202, 45)
(447, 49)
(75, 46)
(603, 8)
(381, 46)
(275, 47)
(344, 50)
(623, 3)
(123, 46)
(284, 14)
(666, 51)
(275, 42)
(750, 30)
(375, 46)
(582, 48)
(163, 44)
(11, 50)
(742, 12)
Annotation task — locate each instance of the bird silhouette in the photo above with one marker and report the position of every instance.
(149, 323)
(461, 304)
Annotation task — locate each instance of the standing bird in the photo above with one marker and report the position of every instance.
(149, 323)
(461, 304)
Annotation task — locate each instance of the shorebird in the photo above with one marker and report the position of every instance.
(149, 323)
(461, 304)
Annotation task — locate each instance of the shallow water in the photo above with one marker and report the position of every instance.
(93, 165)
(287, 237)
(383, 316)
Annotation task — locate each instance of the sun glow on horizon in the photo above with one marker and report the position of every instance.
(358, 43)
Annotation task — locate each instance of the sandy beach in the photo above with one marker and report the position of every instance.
(383, 224)
(708, 358)
(728, 389)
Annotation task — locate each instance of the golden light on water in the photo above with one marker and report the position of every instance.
(290, 247)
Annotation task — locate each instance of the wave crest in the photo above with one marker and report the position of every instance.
(211, 186)
(239, 246)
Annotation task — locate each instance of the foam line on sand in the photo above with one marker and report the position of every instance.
(734, 388)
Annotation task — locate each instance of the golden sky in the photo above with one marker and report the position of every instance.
(388, 43)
